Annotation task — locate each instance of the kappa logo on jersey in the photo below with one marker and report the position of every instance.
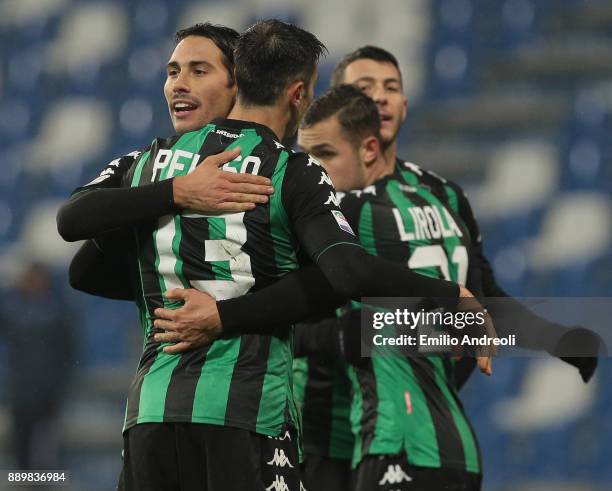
(342, 222)
(394, 475)
(104, 175)
(367, 190)
(325, 179)
(312, 160)
(279, 484)
(280, 459)
(278, 145)
(414, 168)
(332, 199)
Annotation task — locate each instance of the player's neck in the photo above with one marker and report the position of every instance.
(378, 170)
(274, 117)
(390, 153)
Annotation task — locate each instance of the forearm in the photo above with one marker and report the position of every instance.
(512, 317)
(353, 273)
(321, 338)
(299, 295)
(91, 271)
(93, 213)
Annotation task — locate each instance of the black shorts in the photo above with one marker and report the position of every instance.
(326, 473)
(393, 473)
(204, 457)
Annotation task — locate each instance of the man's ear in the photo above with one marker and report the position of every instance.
(405, 109)
(369, 150)
(296, 92)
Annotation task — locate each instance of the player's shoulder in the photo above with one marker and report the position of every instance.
(429, 177)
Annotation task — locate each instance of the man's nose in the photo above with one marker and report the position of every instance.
(379, 95)
(181, 83)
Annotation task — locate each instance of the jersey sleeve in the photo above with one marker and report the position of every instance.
(310, 201)
(114, 173)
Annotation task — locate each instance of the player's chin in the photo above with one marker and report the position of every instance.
(388, 133)
(186, 125)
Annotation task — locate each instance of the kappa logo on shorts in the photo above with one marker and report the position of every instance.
(302, 488)
(394, 475)
(280, 459)
(286, 436)
(279, 484)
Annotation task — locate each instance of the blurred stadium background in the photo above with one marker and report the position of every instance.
(511, 98)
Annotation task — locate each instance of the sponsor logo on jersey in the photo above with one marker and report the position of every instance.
(394, 475)
(228, 134)
(279, 484)
(280, 459)
(332, 199)
(342, 222)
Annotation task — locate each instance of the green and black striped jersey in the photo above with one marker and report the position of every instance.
(323, 394)
(245, 382)
(410, 404)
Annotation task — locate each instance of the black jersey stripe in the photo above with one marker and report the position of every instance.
(447, 434)
(182, 388)
(369, 404)
(317, 418)
(246, 385)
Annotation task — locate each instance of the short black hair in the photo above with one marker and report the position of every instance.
(224, 38)
(364, 53)
(357, 113)
(269, 56)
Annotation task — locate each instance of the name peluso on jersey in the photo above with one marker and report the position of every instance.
(181, 162)
(427, 223)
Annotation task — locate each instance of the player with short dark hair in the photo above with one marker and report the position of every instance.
(409, 427)
(376, 72)
(230, 404)
(364, 53)
(223, 37)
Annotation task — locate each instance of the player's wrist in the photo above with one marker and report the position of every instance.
(180, 196)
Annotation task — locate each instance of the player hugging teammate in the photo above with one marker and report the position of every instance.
(221, 269)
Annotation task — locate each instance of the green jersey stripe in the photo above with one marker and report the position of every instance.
(280, 229)
(468, 440)
(366, 229)
(214, 382)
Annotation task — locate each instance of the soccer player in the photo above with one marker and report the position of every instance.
(222, 403)
(200, 86)
(323, 384)
(376, 72)
(409, 426)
